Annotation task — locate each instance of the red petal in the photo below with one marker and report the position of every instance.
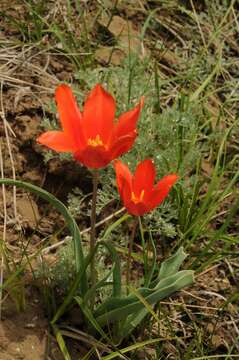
(144, 177)
(122, 145)
(70, 115)
(57, 140)
(124, 181)
(98, 114)
(127, 121)
(136, 209)
(161, 190)
(93, 157)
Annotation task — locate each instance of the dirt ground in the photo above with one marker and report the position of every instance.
(24, 335)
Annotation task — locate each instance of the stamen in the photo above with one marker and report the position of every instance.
(137, 199)
(95, 142)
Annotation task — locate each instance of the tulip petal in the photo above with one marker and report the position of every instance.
(98, 114)
(143, 179)
(93, 157)
(128, 120)
(124, 181)
(161, 190)
(122, 145)
(57, 140)
(136, 209)
(70, 115)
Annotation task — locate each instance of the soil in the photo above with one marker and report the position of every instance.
(29, 77)
(24, 335)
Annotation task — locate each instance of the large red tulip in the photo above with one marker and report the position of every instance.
(93, 136)
(138, 192)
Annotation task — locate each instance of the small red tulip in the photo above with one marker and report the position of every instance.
(93, 136)
(138, 192)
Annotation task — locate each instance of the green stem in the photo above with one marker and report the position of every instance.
(92, 231)
(145, 251)
(128, 264)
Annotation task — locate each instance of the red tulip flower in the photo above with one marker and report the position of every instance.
(93, 136)
(138, 192)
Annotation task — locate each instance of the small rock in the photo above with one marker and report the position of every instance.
(124, 32)
(106, 55)
(28, 209)
(30, 326)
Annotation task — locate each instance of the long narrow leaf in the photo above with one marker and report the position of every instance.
(61, 343)
(136, 318)
(115, 270)
(170, 266)
(151, 271)
(131, 348)
(166, 287)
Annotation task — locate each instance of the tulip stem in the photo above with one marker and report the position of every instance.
(145, 250)
(128, 264)
(93, 276)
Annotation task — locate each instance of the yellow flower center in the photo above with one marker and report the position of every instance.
(95, 142)
(137, 199)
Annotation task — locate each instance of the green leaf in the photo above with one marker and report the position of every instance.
(115, 270)
(172, 265)
(117, 302)
(88, 314)
(113, 226)
(165, 288)
(135, 319)
(61, 343)
(149, 275)
(168, 267)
